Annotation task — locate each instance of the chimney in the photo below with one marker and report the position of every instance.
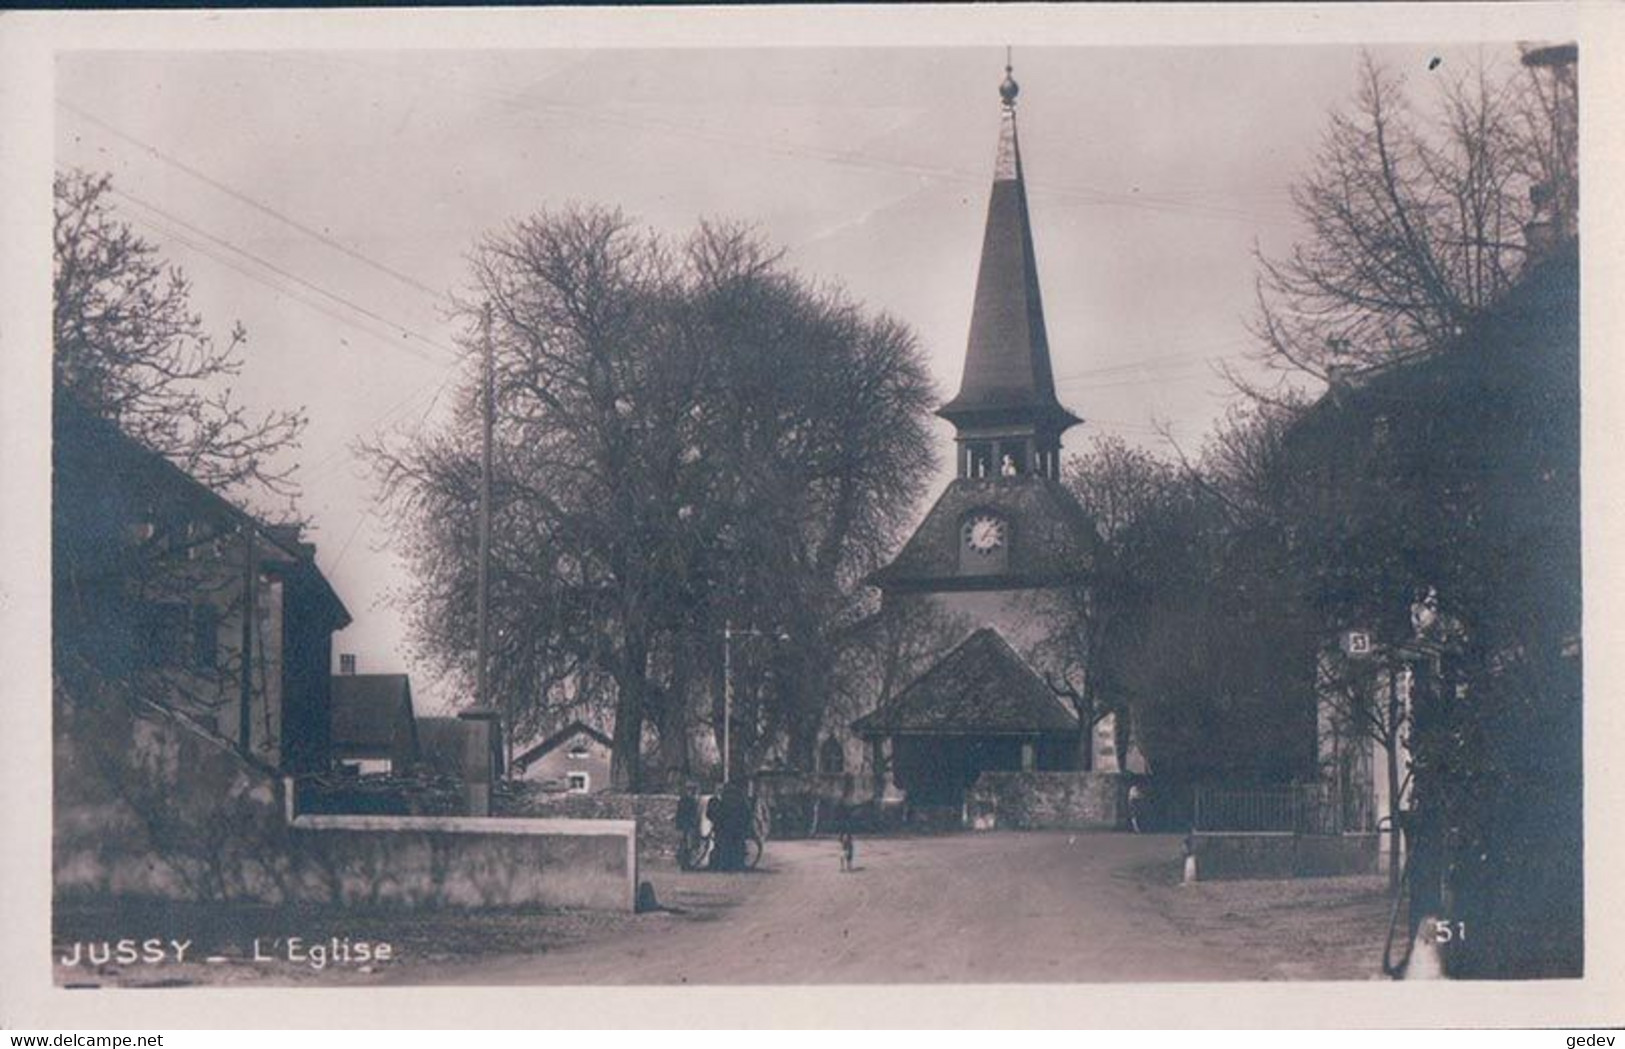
(347, 663)
(1543, 230)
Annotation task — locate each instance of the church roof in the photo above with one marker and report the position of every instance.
(1051, 539)
(983, 687)
(1007, 366)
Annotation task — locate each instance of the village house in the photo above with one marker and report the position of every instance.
(152, 573)
(1459, 471)
(575, 759)
(373, 727)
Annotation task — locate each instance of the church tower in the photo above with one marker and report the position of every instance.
(1003, 540)
(1005, 523)
(1006, 412)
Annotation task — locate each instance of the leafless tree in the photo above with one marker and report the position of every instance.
(129, 347)
(1119, 485)
(686, 436)
(1414, 219)
(1363, 701)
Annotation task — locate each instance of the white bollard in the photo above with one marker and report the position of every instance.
(1427, 960)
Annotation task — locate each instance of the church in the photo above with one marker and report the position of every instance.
(1002, 544)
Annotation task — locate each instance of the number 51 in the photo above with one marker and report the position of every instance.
(1446, 931)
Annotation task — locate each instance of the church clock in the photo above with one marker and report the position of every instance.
(985, 533)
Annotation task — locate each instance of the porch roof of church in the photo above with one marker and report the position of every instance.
(1052, 540)
(982, 687)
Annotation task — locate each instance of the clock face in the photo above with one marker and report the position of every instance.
(984, 533)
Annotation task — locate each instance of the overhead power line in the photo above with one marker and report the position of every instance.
(1167, 202)
(251, 202)
(228, 245)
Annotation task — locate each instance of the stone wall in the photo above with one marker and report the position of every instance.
(656, 814)
(464, 861)
(1222, 857)
(150, 806)
(1044, 800)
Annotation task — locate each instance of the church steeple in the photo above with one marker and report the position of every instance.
(1006, 412)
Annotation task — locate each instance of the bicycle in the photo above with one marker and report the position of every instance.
(694, 851)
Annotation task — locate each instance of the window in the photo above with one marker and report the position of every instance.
(579, 751)
(578, 782)
(164, 635)
(978, 459)
(205, 637)
(831, 757)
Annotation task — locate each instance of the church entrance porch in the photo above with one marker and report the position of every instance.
(936, 771)
(979, 709)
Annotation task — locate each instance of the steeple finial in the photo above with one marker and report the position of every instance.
(1009, 89)
(1008, 381)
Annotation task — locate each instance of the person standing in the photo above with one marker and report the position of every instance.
(732, 826)
(715, 816)
(688, 825)
(1136, 803)
(845, 819)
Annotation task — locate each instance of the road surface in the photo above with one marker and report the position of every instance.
(998, 907)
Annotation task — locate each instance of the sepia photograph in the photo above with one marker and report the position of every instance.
(1011, 511)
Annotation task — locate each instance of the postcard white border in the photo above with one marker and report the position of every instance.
(28, 43)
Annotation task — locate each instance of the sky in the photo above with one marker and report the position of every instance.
(328, 200)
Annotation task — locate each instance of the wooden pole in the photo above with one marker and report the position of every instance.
(245, 704)
(727, 699)
(482, 696)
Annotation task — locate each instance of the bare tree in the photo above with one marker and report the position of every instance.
(128, 347)
(1414, 220)
(1363, 701)
(686, 436)
(1119, 485)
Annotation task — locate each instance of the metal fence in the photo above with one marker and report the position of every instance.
(1297, 808)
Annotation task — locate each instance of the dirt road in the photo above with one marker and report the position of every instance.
(1035, 907)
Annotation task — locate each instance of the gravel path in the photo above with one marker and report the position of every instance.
(1038, 907)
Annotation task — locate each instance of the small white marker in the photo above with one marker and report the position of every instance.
(216, 959)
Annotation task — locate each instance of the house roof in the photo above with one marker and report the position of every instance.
(1007, 363)
(1505, 350)
(372, 716)
(82, 437)
(553, 742)
(981, 687)
(1052, 539)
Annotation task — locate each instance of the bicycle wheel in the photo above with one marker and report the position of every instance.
(693, 852)
(753, 852)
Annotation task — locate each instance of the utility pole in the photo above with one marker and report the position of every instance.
(728, 635)
(245, 703)
(727, 698)
(482, 684)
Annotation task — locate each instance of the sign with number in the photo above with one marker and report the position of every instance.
(1357, 643)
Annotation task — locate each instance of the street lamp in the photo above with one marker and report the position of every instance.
(728, 634)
